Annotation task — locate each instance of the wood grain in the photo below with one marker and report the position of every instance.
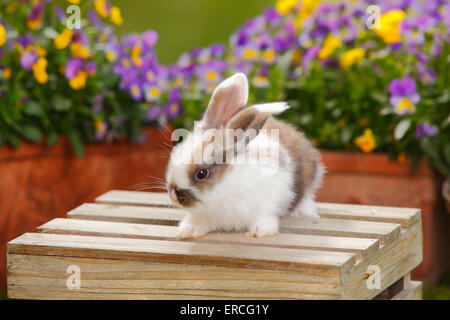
(360, 246)
(44, 277)
(385, 232)
(178, 252)
(404, 216)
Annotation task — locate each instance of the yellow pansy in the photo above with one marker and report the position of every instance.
(6, 73)
(136, 55)
(351, 57)
(79, 51)
(285, 6)
(63, 39)
(100, 7)
(116, 16)
(366, 142)
(79, 81)
(100, 126)
(34, 24)
(74, 1)
(307, 8)
(2, 35)
(39, 70)
(41, 52)
(389, 26)
(329, 45)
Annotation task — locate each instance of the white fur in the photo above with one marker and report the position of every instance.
(274, 107)
(245, 199)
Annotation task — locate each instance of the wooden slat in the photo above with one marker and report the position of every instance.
(137, 198)
(177, 252)
(385, 232)
(360, 246)
(126, 213)
(44, 277)
(404, 216)
(413, 291)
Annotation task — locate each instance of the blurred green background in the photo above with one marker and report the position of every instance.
(186, 24)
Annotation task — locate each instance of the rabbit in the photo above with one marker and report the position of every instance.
(239, 196)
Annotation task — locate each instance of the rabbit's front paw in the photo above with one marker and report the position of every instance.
(192, 229)
(264, 227)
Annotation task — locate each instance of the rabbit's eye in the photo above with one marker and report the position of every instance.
(201, 174)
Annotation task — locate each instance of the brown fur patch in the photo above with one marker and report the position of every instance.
(183, 197)
(216, 172)
(304, 156)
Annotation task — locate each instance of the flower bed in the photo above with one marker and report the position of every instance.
(351, 84)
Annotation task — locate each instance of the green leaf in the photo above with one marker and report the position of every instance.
(61, 104)
(52, 138)
(32, 108)
(446, 152)
(76, 143)
(32, 133)
(431, 149)
(14, 141)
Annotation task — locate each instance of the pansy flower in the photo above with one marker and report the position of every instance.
(261, 78)
(389, 29)
(35, 16)
(425, 129)
(404, 96)
(366, 142)
(77, 72)
(101, 129)
(153, 112)
(173, 108)
(2, 35)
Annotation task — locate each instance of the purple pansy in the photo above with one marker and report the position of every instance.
(403, 95)
(153, 112)
(27, 59)
(425, 129)
(72, 67)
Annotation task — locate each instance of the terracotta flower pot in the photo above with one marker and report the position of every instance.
(375, 179)
(38, 183)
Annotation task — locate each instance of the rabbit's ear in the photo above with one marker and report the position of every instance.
(227, 99)
(255, 117)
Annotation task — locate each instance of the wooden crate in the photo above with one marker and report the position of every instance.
(125, 247)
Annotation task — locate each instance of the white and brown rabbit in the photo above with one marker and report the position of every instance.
(242, 194)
